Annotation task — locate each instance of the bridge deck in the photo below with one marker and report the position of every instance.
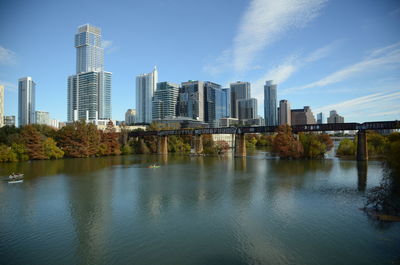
(380, 125)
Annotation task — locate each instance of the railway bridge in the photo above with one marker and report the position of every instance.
(239, 132)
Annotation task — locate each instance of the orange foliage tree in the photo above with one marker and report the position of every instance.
(285, 145)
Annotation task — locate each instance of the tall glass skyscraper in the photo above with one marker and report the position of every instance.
(145, 86)
(165, 100)
(89, 50)
(89, 91)
(191, 100)
(270, 110)
(26, 101)
(239, 90)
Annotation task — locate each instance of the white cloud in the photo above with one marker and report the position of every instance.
(7, 56)
(282, 72)
(264, 22)
(374, 105)
(389, 55)
(109, 47)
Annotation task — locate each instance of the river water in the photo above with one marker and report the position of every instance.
(192, 210)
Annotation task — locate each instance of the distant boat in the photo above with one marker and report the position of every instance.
(15, 181)
(154, 166)
(18, 176)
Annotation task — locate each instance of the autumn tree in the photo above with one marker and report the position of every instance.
(109, 138)
(51, 151)
(285, 145)
(33, 142)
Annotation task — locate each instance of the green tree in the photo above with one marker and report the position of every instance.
(51, 151)
(20, 151)
(346, 148)
(126, 149)
(312, 145)
(7, 154)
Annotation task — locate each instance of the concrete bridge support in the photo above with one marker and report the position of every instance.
(162, 145)
(198, 144)
(240, 145)
(362, 148)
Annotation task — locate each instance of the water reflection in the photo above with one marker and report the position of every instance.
(362, 172)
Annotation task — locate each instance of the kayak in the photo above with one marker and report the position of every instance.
(154, 166)
(15, 181)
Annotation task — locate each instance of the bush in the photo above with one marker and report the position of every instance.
(346, 148)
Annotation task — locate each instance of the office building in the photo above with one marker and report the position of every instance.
(335, 118)
(145, 86)
(191, 100)
(89, 90)
(42, 117)
(164, 100)
(270, 114)
(320, 118)
(213, 95)
(239, 90)
(54, 123)
(9, 120)
(247, 108)
(284, 114)
(302, 116)
(130, 117)
(1, 105)
(26, 101)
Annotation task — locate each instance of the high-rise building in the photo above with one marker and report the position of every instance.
(191, 100)
(1, 105)
(130, 117)
(247, 108)
(164, 100)
(42, 117)
(9, 120)
(26, 101)
(320, 118)
(302, 116)
(211, 92)
(145, 86)
(239, 90)
(284, 114)
(222, 103)
(270, 103)
(334, 117)
(89, 91)
(89, 49)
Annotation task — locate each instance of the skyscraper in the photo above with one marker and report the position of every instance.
(1, 105)
(284, 115)
(247, 108)
(334, 117)
(145, 86)
(222, 104)
(89, 50)
(302, 116)
(165, 100)
(211, 92)
(239, 90)
(320, 118)
(270, 103)
(89, 91)
(130, 117)
(26, 101)
(191, 100)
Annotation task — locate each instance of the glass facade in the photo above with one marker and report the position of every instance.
(239, 90)
(145, 86)
(89, 91)
(165, 100)
(26, 101)
(270, 110)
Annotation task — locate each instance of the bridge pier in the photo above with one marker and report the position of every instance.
(198, 144)
(162, 145)
(240, 145)
(362, 148)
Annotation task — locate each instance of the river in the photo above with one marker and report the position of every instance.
(192, 210)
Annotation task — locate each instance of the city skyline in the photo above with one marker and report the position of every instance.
(317, 73)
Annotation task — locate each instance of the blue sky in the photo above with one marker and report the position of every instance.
(328, 54)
